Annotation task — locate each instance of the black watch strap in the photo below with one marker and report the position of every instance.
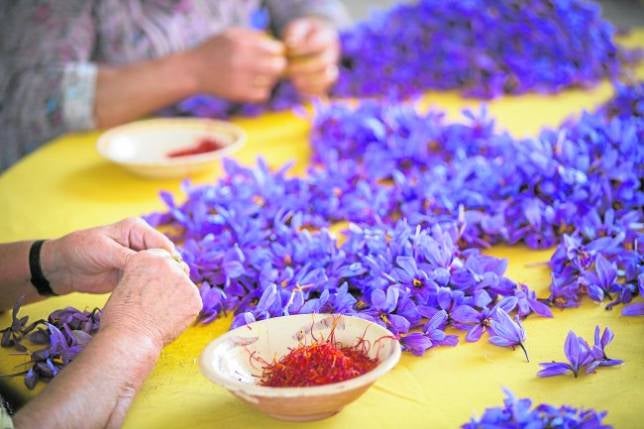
(37, 277)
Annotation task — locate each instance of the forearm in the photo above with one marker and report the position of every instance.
(129, 92)
(15, 276)
(97, 388)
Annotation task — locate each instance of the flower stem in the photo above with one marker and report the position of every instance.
(524, 351)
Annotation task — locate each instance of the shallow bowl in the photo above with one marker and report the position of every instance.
(142, 147)
(232, 361)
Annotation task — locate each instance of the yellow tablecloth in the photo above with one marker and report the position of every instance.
(66, 185)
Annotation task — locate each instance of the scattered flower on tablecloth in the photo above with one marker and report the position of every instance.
(519, 413)
(582, 356)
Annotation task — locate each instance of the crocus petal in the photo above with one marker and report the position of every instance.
(501, 341)
(465, 314)
(611, 362)
(436, 321)
(398, 324)
(590, 367)
(572, 349)
(550, 369)
(474, 334)
(508, 303)
(540, 308)
(416, 342)
(635, 309)
(379, 299)
(607, 337)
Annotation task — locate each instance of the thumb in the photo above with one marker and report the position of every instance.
(121, 256)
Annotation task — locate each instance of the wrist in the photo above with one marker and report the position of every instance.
(137, 345)
(184, 70)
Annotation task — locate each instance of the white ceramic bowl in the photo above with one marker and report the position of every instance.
(142, 146)
(227, 362)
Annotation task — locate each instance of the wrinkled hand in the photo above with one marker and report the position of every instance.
(92, 260)
(239, 64)
(155, 298)
(313, 50)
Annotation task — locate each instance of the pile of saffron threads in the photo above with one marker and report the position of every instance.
(323, 362)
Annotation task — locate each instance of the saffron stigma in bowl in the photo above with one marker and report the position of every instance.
(323, 362)
(204, 145)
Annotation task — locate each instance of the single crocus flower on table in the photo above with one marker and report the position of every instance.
(507, 332)
(519, 413)
(581, 356)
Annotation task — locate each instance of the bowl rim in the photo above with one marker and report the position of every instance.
(290, 392)
(104, 140)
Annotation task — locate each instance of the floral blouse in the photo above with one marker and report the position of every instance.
(50, 51)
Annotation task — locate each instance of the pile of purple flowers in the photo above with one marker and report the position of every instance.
(519, 413)
(438, 44)
(482, 48)
(62, 336)
(416, 187)
(581, 355)
(421, 196)
(578, 186)
(260, 251)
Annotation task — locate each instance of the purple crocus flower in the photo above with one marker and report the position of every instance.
(599, 349)
(507, 332)
(527, 302)
(383, 305)
(578, 354)
(581, 356)
(213, 299)
(479, 321)
(432, 335)
(601, 279)
(519, 413)
(434, 330)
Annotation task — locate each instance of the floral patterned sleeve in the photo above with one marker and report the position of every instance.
(5, 418)
(283, 11)
(46, 78)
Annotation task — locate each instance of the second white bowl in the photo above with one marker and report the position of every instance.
(142, 147)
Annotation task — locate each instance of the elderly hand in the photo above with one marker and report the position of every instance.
(93, 260)
(239, 64)
(155, 298)
(313, 50)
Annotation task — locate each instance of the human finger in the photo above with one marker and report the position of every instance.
(312, 63)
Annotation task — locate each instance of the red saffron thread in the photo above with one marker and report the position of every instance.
(203, 146)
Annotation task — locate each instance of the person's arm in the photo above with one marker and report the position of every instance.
(97, 388)
(45, 80)
(238, 64)
(152, 304)
(51, 85)
(91, 260)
